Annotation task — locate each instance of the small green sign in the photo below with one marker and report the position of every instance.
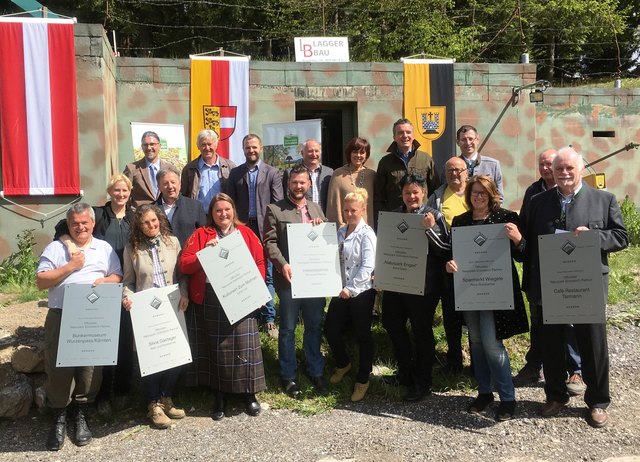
(290, 141)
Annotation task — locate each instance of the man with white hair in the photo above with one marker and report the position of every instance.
(576, 207)
(206, 176)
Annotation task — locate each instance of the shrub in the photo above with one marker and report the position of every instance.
(19, 268)
(631, 220)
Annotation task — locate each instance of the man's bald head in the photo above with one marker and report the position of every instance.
(457, 174)
(545, 166)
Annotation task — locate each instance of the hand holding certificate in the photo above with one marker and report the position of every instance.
(314, 260)
(234, 276)
(159, 329)
(90, 325)
(483, 280)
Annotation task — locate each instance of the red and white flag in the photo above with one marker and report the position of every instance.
(38, 108)
(220, 102)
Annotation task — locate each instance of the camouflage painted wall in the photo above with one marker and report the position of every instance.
(112, 93)
(95, 73)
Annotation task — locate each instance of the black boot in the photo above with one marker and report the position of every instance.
(83, 434)
(55, 440)
(253, 406)
(218, 407)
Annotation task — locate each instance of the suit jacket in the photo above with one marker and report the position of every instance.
(323, 179)
(268, 190)
(187, 217)
(507, 322)
(142, 190)
(590, 207)
(535, 188)
(190, 178)
(138, 268)
(276, 241)
(489, 166)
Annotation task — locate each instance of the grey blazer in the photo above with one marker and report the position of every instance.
(590, 207)
(276, 242)
(187, 217)
(142, 190)
(323, 179)
(268, 190)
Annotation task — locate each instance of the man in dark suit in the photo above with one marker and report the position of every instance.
(576, 207)
(254, 185)
(320, 174)
(532, 370)
(142, 173)
(184, 214)
(295, 208)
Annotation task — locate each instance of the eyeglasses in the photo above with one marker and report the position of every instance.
(149, 145)
(456, 171)
(480, 193)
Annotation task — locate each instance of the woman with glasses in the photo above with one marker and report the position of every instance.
(415, 363)
(354, 174)
(353, 307)
(487, 329)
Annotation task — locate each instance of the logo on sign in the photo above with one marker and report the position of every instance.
(220, 119)
(432, 121)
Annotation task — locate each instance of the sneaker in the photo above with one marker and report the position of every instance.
(480, 403)
(272, 330)
(359, 390)
(575, 385)
(170, 410)
(339, 374)
(158, 418)
(505, 411)
(527, 375)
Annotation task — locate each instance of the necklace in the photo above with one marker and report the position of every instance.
(359, 181)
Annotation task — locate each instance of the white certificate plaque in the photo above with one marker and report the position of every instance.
(484, 278)
(571, 278)
(234, 277)
(90, 325)
(159, 329)
(401, 253)
(314, 260)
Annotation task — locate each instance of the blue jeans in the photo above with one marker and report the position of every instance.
(491, 365)
(268, 311)
(312, 314)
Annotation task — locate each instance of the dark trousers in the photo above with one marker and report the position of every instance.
(66, 384)
(414, 363)
(266, 313)
(118, 377)
(452, 323)
(357, 313)
(161, 384)
(534, 354)
(592, 344)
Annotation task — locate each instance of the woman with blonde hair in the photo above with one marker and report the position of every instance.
(353, 307)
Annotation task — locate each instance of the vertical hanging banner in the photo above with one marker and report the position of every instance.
(220, 102)
(430, 104)
(38, 107)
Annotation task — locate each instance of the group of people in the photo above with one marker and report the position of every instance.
(149, 233)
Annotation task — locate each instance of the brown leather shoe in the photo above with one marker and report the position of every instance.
(597, 417)
(551, 408)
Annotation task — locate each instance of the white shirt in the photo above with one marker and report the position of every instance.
(100, 260)
(357, 257)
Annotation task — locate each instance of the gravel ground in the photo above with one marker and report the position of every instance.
(437, 428)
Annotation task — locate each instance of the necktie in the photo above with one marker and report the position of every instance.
(154, 182)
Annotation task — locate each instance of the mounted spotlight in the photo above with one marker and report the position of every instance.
(537, 91)
(536, 96)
